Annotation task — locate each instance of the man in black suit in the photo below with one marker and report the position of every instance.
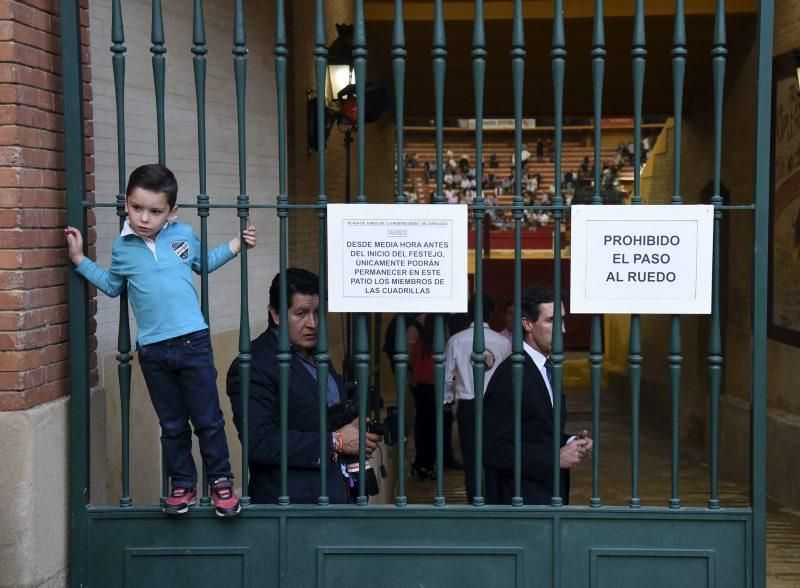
(537, 307)
(303, 440)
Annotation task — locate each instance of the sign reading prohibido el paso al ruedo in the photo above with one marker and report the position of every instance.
(644, 259)
(397, 258)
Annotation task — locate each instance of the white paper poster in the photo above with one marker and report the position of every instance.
(397, 258)
(646, 259)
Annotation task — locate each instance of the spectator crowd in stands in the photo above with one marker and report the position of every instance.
(460, 181)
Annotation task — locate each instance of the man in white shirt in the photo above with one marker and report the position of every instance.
(537, 309)
(459, 383)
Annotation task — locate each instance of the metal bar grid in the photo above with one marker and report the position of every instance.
(243, 206)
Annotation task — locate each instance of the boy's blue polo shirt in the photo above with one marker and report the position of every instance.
(160, 285)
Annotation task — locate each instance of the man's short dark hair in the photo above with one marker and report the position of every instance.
(488, 306)
(533, 297)
(157, 178)
(298, 281)
(509, 304)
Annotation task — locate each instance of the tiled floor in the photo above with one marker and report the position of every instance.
(783, 526)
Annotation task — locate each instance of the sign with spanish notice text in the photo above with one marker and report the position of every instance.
(646, 259)
(397, 258)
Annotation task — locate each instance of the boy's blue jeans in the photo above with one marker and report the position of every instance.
(182, 382)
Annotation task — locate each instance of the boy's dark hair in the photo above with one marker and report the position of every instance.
(533, 297)
(155, 178)
(298, 281)
(488, 306)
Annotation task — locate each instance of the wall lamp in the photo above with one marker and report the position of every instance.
(341, 109)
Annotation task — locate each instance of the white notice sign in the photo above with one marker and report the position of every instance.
(397, 258)
(647, 259)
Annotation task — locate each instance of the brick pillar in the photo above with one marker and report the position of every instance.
(34, 312)
(34, 319)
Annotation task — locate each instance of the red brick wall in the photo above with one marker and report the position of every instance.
(34, 317)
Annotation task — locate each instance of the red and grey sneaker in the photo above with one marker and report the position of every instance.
(224, 498)
(180, 499)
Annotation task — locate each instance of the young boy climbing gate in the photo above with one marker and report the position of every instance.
(154, 256)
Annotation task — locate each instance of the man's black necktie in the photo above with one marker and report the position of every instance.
(548, 367)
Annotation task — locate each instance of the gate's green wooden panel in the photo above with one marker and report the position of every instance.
(417, 548)
(421, 546)
(634, 552)
(189, 566)
(655, 568)
(421, 566)
(203, 550)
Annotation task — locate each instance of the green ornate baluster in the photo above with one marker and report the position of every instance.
(376, 370)
(719, 58)
(361, 346)
(596, 341)
(284, 354)
(401, 353)
(199, 62)
(243, 210)
(322, 357)
(478, 343)
(159, 72)
(635, 346)
(439, 54)
(559, 54)
(675, 357)
(517, 74)
(124, 356)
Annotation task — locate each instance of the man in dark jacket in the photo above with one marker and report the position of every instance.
(537, 415)
(303, 437)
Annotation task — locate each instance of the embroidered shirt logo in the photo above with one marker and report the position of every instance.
(489, 359)
(181, 249)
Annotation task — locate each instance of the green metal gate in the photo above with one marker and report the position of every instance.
(436, 544)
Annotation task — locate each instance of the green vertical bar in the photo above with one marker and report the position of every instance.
(376, 370)
(159, 72)
(124, 356)
(478, 343)
(439, 54)
(401, 353)
(199, 62)
(517, 74)
(283, 356)
(321, 356)
(758, 413)
(72, 76)
(243, 211)
(719, 57)
(361, 344)
(559, 54)
(675, 357)
(596, 341)
(638, 54)
(199, 65)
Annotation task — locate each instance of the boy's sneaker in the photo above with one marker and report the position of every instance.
(180, 499)
(224, 498)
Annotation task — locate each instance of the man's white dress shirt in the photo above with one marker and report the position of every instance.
(458, 361)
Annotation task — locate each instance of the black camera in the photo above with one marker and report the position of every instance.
(343, 413)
